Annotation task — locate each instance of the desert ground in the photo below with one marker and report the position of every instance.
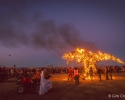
(67, 90)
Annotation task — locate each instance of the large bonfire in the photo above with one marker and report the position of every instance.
(88, 58)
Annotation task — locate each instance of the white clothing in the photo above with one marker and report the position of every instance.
(45, 84)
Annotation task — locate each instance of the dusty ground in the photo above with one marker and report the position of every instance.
(64, 90)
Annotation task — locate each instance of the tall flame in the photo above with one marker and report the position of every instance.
(89, 58)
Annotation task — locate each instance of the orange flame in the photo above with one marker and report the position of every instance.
(89, 58)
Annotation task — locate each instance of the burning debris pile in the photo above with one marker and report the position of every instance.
(88, 58)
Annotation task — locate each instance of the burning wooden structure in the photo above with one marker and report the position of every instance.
(88, 58)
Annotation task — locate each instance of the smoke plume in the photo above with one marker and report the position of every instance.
(20, 25)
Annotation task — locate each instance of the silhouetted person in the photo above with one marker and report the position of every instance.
(0, 69)
(107, 71)
(110, 72)
(99, 73)
(91, 73)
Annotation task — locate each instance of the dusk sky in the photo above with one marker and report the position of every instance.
(36, 33)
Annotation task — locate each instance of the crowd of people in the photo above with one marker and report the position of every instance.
(14, 70)
(103, 72)
(74, 73)
(52, 70)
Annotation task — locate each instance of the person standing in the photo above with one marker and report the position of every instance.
(76, 76)
(70, 73)
(107, 71)
(110, 72)
(91, 73)
(37, 75)
(0, 69)
(99, 73)
(45, 84)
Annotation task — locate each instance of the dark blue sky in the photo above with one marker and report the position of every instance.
(34, 32)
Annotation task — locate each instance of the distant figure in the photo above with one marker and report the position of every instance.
(91, 73)
(0, 69)
(110, 72)
(99, 73)
(76, 76)
(12, 71)
(45, 84)
(37, 75)
(107, 71)
(70, 73)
